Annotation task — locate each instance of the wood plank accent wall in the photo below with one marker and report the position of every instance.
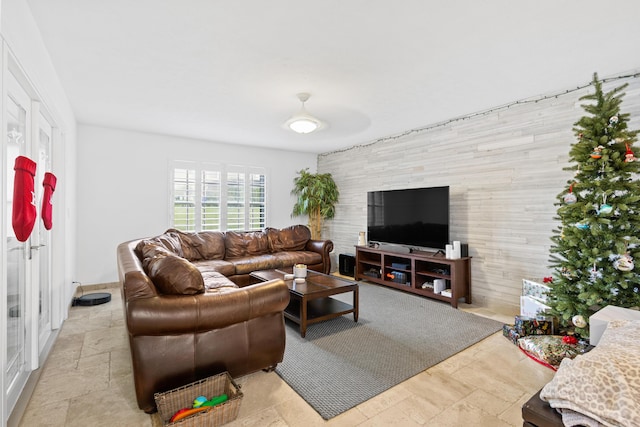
(504, 168)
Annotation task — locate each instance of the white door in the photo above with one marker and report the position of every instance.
(18, 107)
(40, 245)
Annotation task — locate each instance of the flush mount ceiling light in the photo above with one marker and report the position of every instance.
(302, 121)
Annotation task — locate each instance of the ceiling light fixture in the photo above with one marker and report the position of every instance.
(302, 121)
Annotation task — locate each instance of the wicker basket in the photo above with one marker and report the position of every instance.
(172, 401)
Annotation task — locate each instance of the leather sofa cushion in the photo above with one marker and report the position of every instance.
(293, 238)
(173, 275)
(170, 241)
(202, 245)
(245, 243)
(149, 248)
(223, 267)
(212, 244)
(249, 264)
(289, 258)
(214, 280)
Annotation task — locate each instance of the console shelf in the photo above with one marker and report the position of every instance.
(409, 272)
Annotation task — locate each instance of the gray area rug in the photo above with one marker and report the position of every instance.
(341, 364)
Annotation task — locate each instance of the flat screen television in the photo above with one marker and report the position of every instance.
(414, 217)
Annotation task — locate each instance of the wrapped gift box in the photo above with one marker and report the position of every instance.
(535, 288)
(531, 307)
(510, 332)
(540, 325)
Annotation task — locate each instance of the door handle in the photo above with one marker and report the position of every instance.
(32, 247)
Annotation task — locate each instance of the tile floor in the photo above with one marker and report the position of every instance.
(87, 380)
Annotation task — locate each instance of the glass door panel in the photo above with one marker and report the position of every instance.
(16, 259)
(42, 245)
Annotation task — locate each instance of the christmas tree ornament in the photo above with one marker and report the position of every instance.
(604, 207)
(613, 120)
(579, 321)
(628, 155)
(624, 263)
(597, 152)
(595, 274)
(570, 198)
(582, 225)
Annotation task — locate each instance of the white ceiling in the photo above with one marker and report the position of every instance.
(229, 71)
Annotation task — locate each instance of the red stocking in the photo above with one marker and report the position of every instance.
(24, 207)
(49, 185)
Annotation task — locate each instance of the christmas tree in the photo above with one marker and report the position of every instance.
(594, 247)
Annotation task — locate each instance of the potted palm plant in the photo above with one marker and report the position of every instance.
(317, 196)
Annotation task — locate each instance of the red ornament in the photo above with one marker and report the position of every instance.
(547, 279)
(628, 155)
(569, 339)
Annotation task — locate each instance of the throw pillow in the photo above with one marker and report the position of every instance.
(173, 275)
(150, 248)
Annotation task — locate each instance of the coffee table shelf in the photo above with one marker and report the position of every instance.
(318, 310)
(310, 302)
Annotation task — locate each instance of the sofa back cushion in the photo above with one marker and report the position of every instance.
(173, 275)
(240, 244)
(211, 244)
(293, 238)
(200, 246)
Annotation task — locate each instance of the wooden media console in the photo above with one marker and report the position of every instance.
(415, 272)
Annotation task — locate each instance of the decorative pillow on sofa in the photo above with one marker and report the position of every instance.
(173, 275)
(149, 248)
(293, 238)
(168, 241)
(239, 244)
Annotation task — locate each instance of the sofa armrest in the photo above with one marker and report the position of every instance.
(180, 314)
(324, 248)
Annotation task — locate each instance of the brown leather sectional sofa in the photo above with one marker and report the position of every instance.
(192, 309)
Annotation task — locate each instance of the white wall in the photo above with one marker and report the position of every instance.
(27, 58)
(123, 188)
(29, 55)
(504, 169)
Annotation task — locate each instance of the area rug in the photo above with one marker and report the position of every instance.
(340, 363)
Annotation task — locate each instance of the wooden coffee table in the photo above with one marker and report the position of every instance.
(311, 301)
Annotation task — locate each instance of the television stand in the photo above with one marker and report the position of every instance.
(415, 272)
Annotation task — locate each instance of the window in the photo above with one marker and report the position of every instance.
(217, 197)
